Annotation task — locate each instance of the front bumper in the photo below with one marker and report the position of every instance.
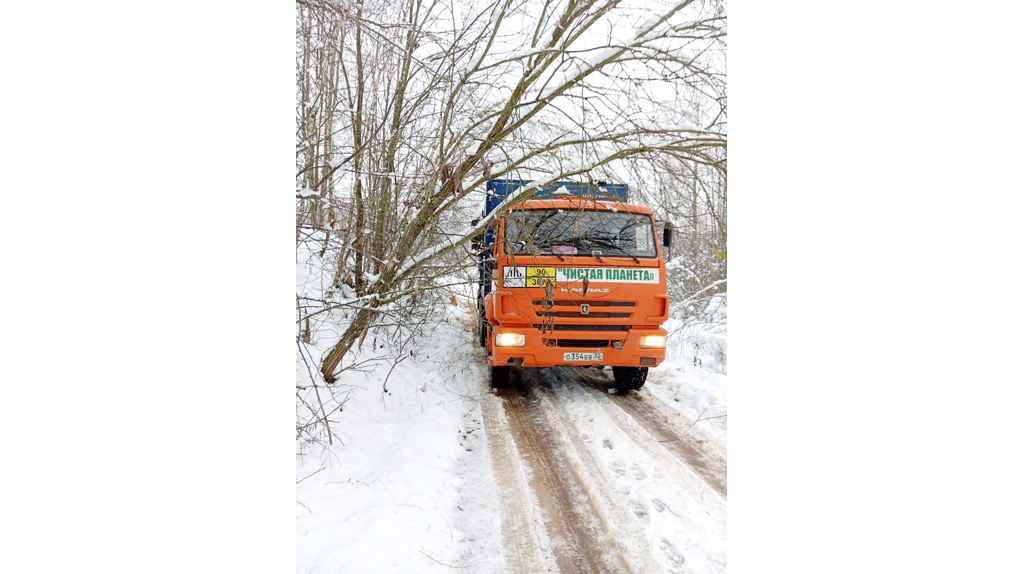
(543, 350)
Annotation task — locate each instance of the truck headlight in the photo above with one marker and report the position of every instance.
(510, 340)
(652, 342)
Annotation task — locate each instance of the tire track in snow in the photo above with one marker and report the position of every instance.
(615, 520)
(710, 469)
(520, 540)
(575, 530)
(654, 541)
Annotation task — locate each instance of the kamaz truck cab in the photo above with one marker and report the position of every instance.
(573, 276)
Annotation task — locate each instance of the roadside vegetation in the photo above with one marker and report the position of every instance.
(405, 109)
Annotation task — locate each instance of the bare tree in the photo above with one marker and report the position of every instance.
(407, 107)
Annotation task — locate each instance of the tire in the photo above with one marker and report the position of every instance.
(498, 376)
(629, 378)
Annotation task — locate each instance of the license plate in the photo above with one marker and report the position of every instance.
(584, 356)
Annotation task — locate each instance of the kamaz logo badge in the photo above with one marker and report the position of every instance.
(584, 309)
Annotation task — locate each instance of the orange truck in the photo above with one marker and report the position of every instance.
(572, 276)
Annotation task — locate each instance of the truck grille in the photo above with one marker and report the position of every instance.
(585, 327)
(592, 303)
(598, 310)
(577, 314)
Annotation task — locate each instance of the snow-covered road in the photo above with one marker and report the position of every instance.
(554, 473)
(605, 482)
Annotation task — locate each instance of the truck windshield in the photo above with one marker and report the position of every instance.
(571, 232)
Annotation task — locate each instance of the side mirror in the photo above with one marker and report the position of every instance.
(666, 236)
(477, 241)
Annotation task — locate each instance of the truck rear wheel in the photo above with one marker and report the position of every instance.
(629, 378)
(498, 376)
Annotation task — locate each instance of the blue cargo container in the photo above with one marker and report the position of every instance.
(499, 189)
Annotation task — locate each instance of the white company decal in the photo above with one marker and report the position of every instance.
(521, 276)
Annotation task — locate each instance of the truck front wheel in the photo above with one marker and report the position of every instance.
(498, 376)
(629, 378)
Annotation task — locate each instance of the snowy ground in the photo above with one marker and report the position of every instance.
(554, 474)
